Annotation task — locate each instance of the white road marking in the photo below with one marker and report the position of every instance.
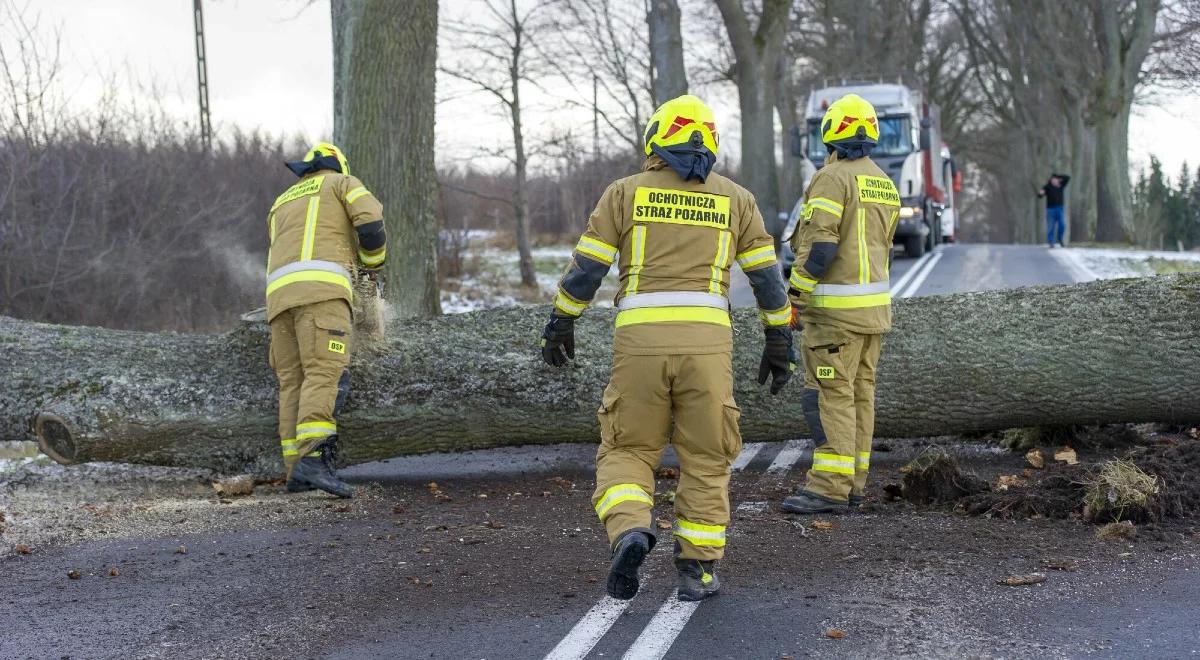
(908, 274)
(658, 636)
(919, 279)
(749, 451)
(792, 451)
(1070, 260)
(594, 625)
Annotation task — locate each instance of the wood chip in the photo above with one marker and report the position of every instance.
(22, 549)
(663, 523)
(821, 524)
(1022, 580)
(74, 574)
(1066, 455)
(1036, 458)
(113, 572)
(1007, 481)
(240, 485)
(834, 633)
(181, 550)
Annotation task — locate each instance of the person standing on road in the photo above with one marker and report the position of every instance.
(313, 227)
(1055, 221)
(677, 227)
(840, 297)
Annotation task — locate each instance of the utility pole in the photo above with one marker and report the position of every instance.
(202, 76)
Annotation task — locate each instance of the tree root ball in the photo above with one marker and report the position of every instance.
(933, 477)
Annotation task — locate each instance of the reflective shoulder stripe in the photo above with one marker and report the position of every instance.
(597, 249)
(800, 282)
(756, 257)
(568, 305)
(666, 314)
(700, 535)
(356, 193)
(621, 493)
(673, 299)
(824, 204)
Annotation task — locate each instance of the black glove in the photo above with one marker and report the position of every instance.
(558, 340)
(778, 359)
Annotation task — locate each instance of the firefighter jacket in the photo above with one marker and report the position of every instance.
(320, 229)
(674, 242)
(840, 276)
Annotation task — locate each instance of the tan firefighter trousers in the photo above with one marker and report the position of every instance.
(839, 406)
(310, 347)
(646, 393)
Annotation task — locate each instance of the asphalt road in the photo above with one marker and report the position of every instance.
(512, 565)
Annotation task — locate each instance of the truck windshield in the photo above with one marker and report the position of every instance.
(895, 138)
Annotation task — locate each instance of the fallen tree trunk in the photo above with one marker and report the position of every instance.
(1109, 351)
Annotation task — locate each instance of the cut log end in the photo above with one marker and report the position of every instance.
(55, 437)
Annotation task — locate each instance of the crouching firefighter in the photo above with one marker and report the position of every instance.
(321, 229)
(674, 230)
(839, 290)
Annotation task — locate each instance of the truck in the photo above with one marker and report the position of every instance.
(910, 151)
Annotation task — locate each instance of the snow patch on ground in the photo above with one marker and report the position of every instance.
(1087, 264)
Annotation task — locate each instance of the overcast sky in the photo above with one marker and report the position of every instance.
(270, 67)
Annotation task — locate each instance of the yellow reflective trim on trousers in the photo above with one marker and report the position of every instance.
(289, 447)
(309, 430)
(801, 282)
(356, 193)
(310, 276)
(621, 493)
(637, 259)
(864, 459)
(718, 264)
(310, 228)
(661, 314)
(851, 302)
(291, 452)
(864, 259)
(568, 305)
(599, 250)
(835, 463)
(712, 536)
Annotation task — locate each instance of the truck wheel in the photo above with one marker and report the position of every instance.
(914, 246)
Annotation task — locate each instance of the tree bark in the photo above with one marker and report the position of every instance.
(756, 54)
(669, 77)
(385, 55)
(953, 364)
(520, 163)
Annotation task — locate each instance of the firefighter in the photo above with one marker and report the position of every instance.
(840, 296)
(674, 230)
(321, 229)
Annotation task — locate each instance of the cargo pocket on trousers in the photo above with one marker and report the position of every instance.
(732, 436)
(332, 340)
(608, 415)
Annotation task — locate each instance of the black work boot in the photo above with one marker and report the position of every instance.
(317, 472)
(856, 501)
(808, 502)
(697, 579)
(629, 552)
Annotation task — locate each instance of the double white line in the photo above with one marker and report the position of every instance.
(666, 624)
(907, 286)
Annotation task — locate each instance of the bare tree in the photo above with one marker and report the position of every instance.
(666, 50)
(496, 59)
(385, 56)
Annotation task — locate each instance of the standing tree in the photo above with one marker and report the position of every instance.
(385, 54)
(666, 50)
(495, 58)
(756, 56)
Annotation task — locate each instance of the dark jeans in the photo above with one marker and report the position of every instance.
(1055, 225)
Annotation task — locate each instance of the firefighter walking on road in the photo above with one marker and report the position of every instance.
(674, 230)
(840, 295)
(321, 229)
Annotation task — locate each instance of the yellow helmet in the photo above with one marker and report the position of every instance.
(678, 120)
(850, 118)
(323, 149)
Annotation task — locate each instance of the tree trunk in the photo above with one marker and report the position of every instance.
(1082, 190)
(520, 164)
(791, 175)
(756, 54)
(384, 62)
(668, 75)
(953, 364)
(1114, 198)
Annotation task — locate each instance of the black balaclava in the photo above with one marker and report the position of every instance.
(302, 167)
(852, 149)
(692, 160)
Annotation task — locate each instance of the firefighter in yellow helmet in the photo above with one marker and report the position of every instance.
(840, 296)
(674, 230)
(322, 228)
